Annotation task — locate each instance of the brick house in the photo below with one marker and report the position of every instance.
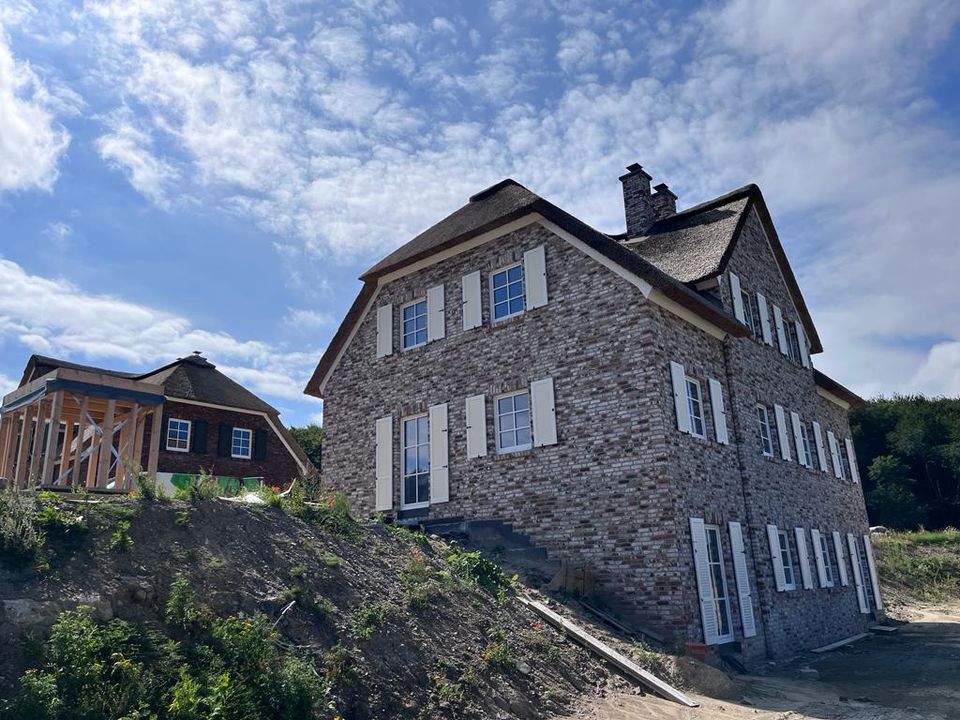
(642, 403)
(208, 421)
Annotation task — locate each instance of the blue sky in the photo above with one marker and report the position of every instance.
(180, 175)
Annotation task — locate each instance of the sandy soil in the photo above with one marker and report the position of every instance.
(912, 674)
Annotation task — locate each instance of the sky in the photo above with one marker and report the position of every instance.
(213, 175)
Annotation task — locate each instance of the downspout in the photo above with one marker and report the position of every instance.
(743, 489)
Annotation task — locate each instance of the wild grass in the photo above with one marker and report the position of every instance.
(924, 565)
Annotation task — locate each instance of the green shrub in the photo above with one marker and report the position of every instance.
(330, 560)
(120, 540)
(182, 517)
(417, 579)
(182, 609)
(367, 618)
(338, 666)
(201, 487)
(498, 650)
(147, 488)
(475, 568)
(417, 537)
(21, 536)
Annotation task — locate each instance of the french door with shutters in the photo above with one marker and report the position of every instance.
(718, 580)
(415, 492)
(865, 574)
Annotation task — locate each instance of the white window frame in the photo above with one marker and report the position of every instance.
(426, 334)
(766, 441)
(747, 312)
(501, 450)
(694, 417)
(233, 435)
(786, 557)
(844, 460)
(189, 425)
(828, 567)
(724, 589)
(404, 505)
(805, 439)
(523, 293)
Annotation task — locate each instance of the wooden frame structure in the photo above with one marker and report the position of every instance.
(72, 428)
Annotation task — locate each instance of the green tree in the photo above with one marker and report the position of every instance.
(310, 438)
(911, 448)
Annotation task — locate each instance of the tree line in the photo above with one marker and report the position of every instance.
(910, 448)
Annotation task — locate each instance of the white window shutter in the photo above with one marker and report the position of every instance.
(472, 308)
(857, 575)
(821, 452)
(875, 581)
(439, 454)
(544, 414)
(679, 378)
(841, 559)
(476, 426)
(782, 434)
(797, 436)
(764, 319)
(384, 454)
(852, 457)
(802, 342)
(711, 633)
(803, 558)
(835, 455)
(781, 331)
(719, 415)
(773, 535)
(743, 580)
(737, 298)
(384, 330)
(436, 314)
(818, 557)
(535, 277)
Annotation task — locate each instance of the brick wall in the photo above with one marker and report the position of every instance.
(618, 489)
(278, 468)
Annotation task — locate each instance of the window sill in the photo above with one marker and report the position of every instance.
(239, 457)
(178, 450)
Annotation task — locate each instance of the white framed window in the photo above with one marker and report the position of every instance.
(844, 461)
(805, 457)
(747, 311)
(789, 578)
(416, 462)
(827, 559)
(752, 308)
(413, 329)
(241, 443)
(513, 422)
(507, 292)
(718, 581)
(178, 435)
(793, 342)
(695, 406)
(766, 439)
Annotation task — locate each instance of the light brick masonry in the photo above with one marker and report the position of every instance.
(619, 487)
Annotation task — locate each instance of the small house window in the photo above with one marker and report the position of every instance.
(416, 461)
(414, 318)
(844, 460)
(718, 582)
(827, 560)
(695, 405)
(513, 422)
(807, 458)
(178, 435)
(752, 308)
(240, 445)
(766, 439)
(747, 311)
(789, 579)
(793, 342)
(507, 292)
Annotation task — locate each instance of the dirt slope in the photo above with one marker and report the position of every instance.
(445, 648)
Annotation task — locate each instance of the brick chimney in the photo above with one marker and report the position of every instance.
(643, 209)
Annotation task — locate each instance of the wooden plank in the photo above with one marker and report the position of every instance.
(154, 455)
(883, 628)
(78, 453)
(53, 435)
(36, 448)
(619, 661)
(65, 455)
(6, 427)
(138, 438)
(26, 418)
(125, 447)
(840, 643)
(106, 445)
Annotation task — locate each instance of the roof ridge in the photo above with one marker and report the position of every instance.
(728, 197)
(496, 187)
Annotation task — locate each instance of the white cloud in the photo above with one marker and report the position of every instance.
(128, 148)
(31, 142)
(7, 385)
(52, 316)
(302, 319)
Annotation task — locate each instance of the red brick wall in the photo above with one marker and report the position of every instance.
(278, 468)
